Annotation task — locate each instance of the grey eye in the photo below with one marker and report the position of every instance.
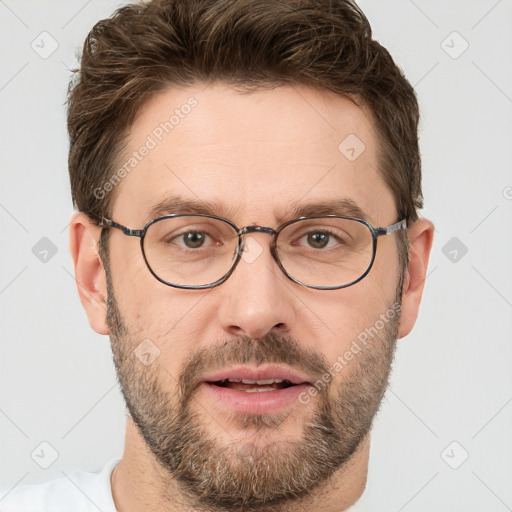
(193, 239)
(318, 240)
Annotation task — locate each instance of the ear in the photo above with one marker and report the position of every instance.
(420, 236)
(90, 275)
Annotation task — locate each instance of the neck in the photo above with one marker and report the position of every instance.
(140, 483)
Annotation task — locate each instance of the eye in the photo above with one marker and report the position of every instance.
(319, 239)
(193, 239)
(186, 234)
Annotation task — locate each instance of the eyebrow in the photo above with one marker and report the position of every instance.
(343, 207)
(177, 204)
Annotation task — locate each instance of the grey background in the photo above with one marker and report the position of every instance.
(452, 378)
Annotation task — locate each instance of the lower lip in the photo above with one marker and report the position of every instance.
(259, 402)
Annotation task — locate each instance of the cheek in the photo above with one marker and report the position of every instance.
(150, 309)
(347, 314)
(385, 270)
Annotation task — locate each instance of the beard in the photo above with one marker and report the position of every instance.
(259, 475)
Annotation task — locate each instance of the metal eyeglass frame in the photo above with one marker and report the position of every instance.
(241, 232)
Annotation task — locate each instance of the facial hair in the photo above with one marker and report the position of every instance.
(253, 476)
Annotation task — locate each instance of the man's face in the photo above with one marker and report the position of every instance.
(253, 159)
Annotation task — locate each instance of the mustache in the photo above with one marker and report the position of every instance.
(271, 348)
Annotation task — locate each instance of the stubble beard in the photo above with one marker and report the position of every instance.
(253, 476)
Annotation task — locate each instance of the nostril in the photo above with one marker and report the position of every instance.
(280, 325)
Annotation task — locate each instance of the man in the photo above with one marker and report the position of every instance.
(247, 179)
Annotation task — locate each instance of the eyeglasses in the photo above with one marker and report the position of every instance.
(201, 251)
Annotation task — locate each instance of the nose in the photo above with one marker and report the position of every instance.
(258, 298)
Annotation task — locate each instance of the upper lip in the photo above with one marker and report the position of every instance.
(261, 373)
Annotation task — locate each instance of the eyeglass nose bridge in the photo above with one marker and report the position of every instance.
(259, 229)
(256, 229)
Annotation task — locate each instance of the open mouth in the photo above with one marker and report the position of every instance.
(266, 389)
(254, 386)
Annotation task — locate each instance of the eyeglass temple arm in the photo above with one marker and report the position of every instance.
(392, 228)
(124, 229)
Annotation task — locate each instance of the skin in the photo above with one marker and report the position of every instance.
(254, 156)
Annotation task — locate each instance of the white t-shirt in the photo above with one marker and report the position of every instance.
(77, 492)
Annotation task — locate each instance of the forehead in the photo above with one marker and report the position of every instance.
(253, 157)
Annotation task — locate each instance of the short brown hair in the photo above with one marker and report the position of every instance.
(146, 48)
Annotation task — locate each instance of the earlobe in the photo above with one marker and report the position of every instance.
(420, 240)
(89, 271)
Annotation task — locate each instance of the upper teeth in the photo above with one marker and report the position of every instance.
(265, 382)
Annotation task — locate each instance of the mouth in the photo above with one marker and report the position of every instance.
(256, 390)
(251, 386)
(252, 380)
